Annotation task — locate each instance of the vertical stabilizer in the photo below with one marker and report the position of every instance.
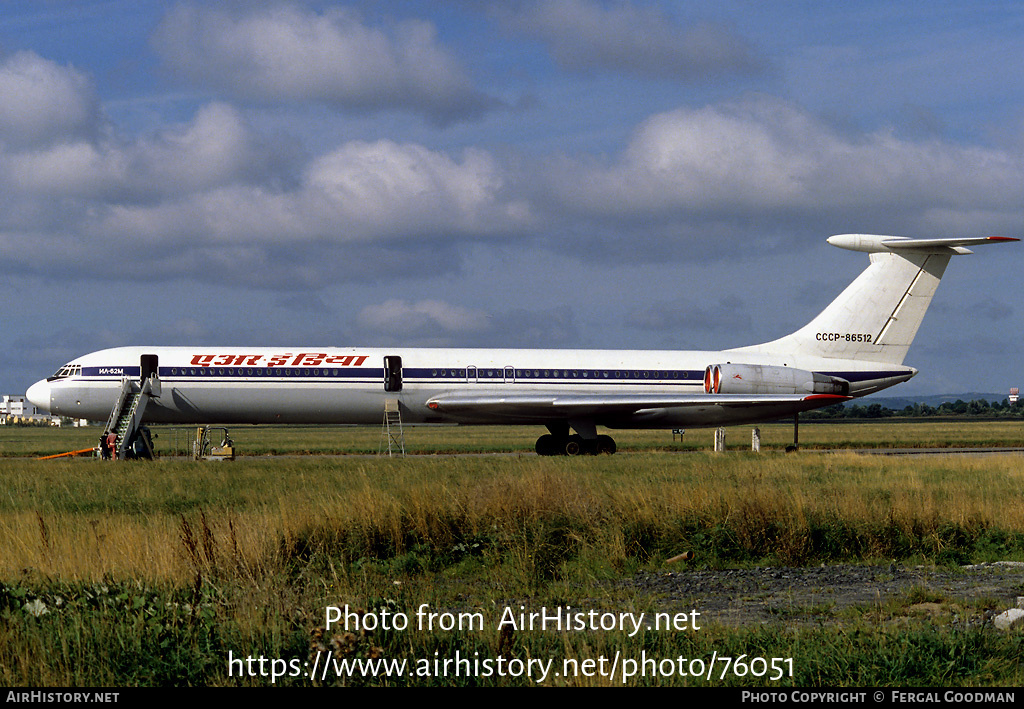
(876, 317)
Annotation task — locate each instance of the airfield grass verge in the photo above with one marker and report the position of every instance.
(152, 573)
(33, 441)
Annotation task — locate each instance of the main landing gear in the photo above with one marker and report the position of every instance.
(551, 444)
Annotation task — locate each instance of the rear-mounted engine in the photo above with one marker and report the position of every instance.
(768, 379)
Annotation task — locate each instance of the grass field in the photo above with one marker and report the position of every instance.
(136, 573)
(296, 440)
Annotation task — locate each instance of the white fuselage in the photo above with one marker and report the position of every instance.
(350, 385)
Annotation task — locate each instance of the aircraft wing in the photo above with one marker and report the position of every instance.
(553, 406)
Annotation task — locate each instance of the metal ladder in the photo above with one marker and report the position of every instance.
(126, 416)
(391, 430)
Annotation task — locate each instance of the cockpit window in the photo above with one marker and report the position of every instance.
(68, 370)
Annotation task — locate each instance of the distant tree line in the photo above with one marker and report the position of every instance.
(959, 409)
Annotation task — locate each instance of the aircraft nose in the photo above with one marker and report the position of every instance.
(39, 395)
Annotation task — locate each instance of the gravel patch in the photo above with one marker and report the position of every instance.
(816, 594)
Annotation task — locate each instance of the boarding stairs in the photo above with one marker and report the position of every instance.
(126, 416)
(391, 435)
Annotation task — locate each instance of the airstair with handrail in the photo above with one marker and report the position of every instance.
(126, 417)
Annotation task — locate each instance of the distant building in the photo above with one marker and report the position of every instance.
(16, 409)
(16, 406)
(1014, 394)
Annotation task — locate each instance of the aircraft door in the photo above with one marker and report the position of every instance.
(393, 373)
(148, 366)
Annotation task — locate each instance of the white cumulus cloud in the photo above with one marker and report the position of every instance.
(765, 158)
(289, 53)
(216, 148)
(42, 101)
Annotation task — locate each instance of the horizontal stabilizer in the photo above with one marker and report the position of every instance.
(877, 243)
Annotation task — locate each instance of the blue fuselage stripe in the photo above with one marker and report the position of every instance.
(438, 374)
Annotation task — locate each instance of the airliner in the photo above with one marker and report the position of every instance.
(856, 346)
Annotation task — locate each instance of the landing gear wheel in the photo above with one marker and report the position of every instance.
(547, 445)
(575, 445)
(605, 445)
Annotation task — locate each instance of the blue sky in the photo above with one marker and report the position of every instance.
(561, 173)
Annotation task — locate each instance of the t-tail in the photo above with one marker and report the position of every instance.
(876, 317)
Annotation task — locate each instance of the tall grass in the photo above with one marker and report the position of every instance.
(90, 519)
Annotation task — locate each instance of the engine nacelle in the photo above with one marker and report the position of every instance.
(769, 379)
